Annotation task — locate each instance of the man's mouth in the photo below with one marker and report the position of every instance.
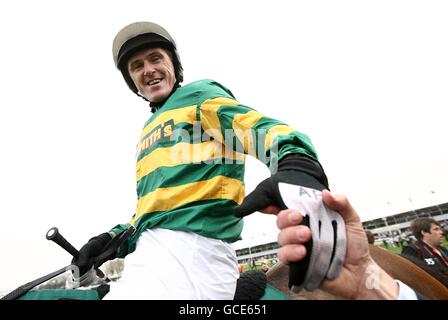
(153, 82)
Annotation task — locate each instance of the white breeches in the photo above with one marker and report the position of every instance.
(177, 265)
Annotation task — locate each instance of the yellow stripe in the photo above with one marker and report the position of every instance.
(274, 132)
(163, 199)
(209, 116)
(183, 153)
(247, 120)
(242, 125)
(186, 114)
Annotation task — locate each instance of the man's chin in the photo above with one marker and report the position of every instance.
(155, 98)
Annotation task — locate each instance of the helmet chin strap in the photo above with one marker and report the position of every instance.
(142, 96)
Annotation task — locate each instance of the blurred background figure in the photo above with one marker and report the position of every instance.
(265, 265)
(427, 251)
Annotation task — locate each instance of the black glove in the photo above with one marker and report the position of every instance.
(294, 169)
(92, 249)
(298, 184)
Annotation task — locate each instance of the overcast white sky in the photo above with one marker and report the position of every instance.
(366, 80)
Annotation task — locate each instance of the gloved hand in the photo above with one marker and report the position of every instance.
(92, 249)
(298, 184)
(294, 169)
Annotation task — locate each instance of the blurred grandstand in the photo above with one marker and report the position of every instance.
(395, 227)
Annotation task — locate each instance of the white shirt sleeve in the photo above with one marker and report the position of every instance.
(405, 292)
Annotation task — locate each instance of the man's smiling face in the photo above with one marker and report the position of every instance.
(152, 71)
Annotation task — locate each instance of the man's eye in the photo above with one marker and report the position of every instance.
(136, 66)
(156, 59)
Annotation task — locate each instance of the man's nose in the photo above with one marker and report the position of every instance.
(148, 68)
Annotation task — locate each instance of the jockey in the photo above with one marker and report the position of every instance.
(190, 170)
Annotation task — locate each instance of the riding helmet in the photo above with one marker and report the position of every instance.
(141, 35)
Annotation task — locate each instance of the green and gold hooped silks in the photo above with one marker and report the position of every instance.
(190, 161)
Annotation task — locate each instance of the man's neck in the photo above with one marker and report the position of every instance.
(428, 243)
(157, 105)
